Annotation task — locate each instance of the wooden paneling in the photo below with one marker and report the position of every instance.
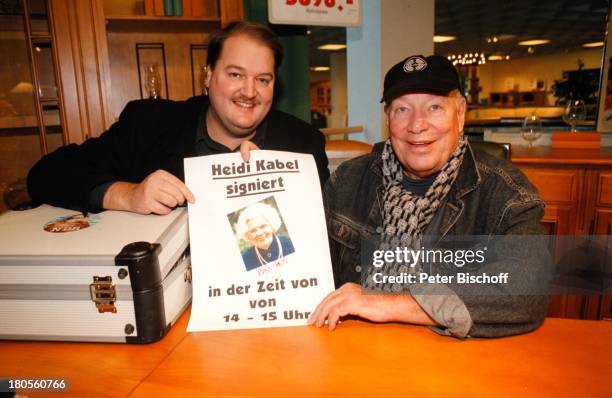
(83, 66)
(231, 10)
(605, 193)
(603, 220)
(554, 185)
(606, 308)
(177, 39)
(556, 219)
(98, 73)
(577, 188)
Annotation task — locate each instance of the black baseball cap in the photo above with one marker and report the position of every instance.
(418, 74)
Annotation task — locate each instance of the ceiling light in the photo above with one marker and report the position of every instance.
(495, 58)
(467, 59)
(332, 47)
(535, 42)
(320, 68)
(594, 44)
(442, 39)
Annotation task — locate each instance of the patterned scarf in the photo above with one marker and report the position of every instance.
(406, 216)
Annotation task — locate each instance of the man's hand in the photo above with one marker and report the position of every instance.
(350, 300)
(158, 193)
(245, 149)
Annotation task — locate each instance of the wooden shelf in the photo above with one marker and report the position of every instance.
(160, 19)
(153, 25)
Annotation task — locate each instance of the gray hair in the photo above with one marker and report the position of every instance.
(256, 209)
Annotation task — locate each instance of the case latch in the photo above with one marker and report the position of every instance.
(103, 293)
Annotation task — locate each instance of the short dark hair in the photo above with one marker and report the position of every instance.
(252, 30)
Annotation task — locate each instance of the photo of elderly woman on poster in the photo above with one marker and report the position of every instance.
(261, 234)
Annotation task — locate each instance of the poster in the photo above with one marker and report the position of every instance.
(315, 12)
(259, 249)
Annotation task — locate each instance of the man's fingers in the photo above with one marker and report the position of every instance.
(158, 208)
(326, 308)
(169, 197)
(339, 303)
(245, 149)
(316, 313)
(180, 186)
(333, 318)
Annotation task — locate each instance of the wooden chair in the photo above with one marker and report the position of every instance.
(342, 150)
(339, 151)
(497, 149)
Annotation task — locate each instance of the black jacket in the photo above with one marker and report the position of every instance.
(152, 135)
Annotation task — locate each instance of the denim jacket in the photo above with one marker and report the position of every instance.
(489, 197)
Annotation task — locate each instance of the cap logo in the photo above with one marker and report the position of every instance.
(415, 64)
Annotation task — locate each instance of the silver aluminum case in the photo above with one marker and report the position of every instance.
(47, 288)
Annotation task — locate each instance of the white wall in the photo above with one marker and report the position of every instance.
(391, 30)
(407, 28)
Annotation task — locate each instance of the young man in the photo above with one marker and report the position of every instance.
(137, 165)
(428, 182)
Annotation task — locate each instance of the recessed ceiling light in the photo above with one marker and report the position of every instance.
(594, 44)
(495, 58)
(535, 42)
(319, 68)
(442, 39)
(332, 47)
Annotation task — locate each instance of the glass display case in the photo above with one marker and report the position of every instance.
(30, 102)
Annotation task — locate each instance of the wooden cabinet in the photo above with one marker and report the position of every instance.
(31, 106)
(105, 45)
(320, 97)
(577, 188)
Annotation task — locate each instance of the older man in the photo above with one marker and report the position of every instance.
(137, 165)
(428, 182)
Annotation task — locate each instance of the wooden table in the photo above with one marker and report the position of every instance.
(564, 358)
(93, 369)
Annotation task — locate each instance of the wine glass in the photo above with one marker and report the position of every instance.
(531, 129)
(575, 111)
